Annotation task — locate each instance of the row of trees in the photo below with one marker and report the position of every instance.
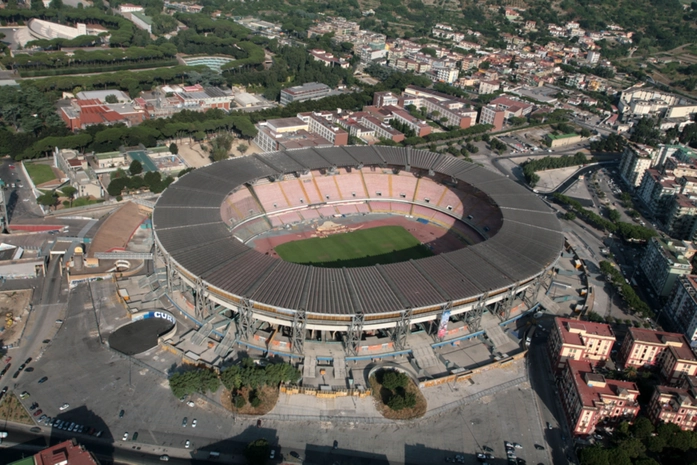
(81, 61)
(643, 444)
(247, 374)
(549, 163)
(627, 231)
(614, 276)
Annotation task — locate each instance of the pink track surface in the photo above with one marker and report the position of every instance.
(437, 238)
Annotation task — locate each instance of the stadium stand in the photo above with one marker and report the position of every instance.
(429, 192)
(243, 205)
(310, 188)
(376, 183)
(293, 192)
(310, 214)
(351, 186)
(326, 185)
(271, 196)
(401, 208)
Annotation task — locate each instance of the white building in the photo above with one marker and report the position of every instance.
(636, 159)
(130, 8)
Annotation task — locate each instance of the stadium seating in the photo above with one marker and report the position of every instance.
(327, 211)
(310, 189)
(350, 184)
(429, 192)
(310, 214)
(290, 217)
(327, 188)
(242, 205)
(347, 209)
(404, 185)
(271, 197)
(422, 212)
(380, 206)
(294, 192)
(376, 183)
(251, 228)
(402, 208)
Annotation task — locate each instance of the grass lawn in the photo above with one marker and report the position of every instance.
(40, 173)
(386, 244)
(12, 410)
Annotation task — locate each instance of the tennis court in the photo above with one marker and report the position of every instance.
(144, 160)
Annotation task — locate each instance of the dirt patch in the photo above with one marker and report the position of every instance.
(195, 156)
(14, 313)
(11, 409)
(417, 411)
(269, 398)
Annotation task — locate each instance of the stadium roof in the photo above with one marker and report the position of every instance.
(188, 225)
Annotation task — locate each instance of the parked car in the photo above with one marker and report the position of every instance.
(43, 380)
(65, 406)
(184, 422)
(187, 444)
(125, 437)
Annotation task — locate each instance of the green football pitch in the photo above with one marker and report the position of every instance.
(365, 247)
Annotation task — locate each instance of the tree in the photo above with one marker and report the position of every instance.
(242, 148)
(642, 428)
(569, 216)
(613, 215)
(135, 167)
(594, 455)
(199, 380)
(173, 148)
(56, 4)
(111, 98)
(48, 199)
(257, 452)
(393, 379)
(69, 191)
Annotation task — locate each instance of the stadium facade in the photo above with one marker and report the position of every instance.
(205, 222)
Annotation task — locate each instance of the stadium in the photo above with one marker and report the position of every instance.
(471, 241)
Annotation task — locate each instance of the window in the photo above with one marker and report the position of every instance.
(449, 207)
(378, 193)
(427, 200)
(403, 196)
(353, 194)
(327, 197)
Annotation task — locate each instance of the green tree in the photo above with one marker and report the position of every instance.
(136, 167)
(69, 191)
(48, 199)
(392, 380)
(613, 215)
(111, 98)
(242, 148)
(594, 455)
(570, 216)
(173, 148)
(257, 452)
(56, 4)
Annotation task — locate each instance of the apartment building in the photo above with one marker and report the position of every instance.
(673, 405)
(420, 127)
(681, 307)
(318, 124)
(142, 21)
(664, 261)
(382, 129)
(579, 340)
(328, 59)
(589, 398)
(669, 353)
(680, 217)
(636, 160)
(490, 114)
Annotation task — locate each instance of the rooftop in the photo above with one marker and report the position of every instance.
(68, 452)
(664, 338)
(561, 136)
(593, 388)
(572, 330)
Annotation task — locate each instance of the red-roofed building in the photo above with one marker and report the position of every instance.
(579, 340)
(65, 453)
(88, 112)
(589, 398)
(669, 352)
(674, 405)
(511, 107)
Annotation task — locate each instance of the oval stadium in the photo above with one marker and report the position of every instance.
(333, 244)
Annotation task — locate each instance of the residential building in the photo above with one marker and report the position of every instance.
(367, 54)
(664, 261)
(640, 101)
(681, 307)
(579, 340)
(669, 353)
(657, 192)
(680, 217)
(79, 173)
(420, 128)
(636, 159)
(512, 107)
(489, 87)
(328, 59)
(309, 91)
(589, 398)
(448, 75)
(490, 114)
(673, 405)
(142, 21)
(66, 453)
